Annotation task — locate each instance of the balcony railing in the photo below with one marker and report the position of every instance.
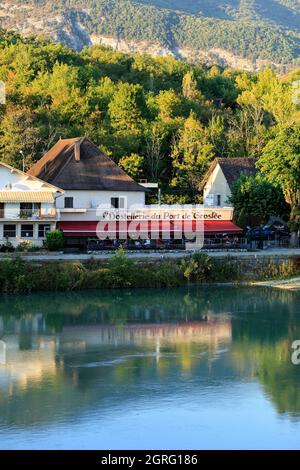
(29, 214)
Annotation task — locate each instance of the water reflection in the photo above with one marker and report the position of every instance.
(65, 355)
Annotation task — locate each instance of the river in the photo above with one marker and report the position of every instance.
(190, 368)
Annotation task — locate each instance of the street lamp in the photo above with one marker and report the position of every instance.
(23, 160)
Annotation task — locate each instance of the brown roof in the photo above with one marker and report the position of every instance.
(232, 169)
(94, 171)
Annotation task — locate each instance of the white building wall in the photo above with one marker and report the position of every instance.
(12, 210)
(216, 185)
(14, 180)
(19, 181)
(92, 199)
(35, 240)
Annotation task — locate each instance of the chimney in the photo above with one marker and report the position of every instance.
(77, 151)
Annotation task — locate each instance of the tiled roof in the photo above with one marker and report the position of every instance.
(94, 170)
(232, 169)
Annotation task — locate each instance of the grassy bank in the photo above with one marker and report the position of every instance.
(17, 275)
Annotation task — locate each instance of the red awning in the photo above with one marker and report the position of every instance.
(221, 226)
(78, 229)
(89, 229)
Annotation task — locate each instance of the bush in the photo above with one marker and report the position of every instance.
(121, 270)
(7, 247)
(168, 274)
(55, 240)
(17, 275)
(25, 247)
(198, 268)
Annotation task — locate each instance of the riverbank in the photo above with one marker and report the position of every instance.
(276, 253)
(19, 275)
(286, 284)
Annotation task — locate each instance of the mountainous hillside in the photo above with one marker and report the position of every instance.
(240, 33)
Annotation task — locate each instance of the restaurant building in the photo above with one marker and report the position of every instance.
(90, 180)
(101, 201)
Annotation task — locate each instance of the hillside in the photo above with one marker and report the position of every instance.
(240, 33)
(159, 118)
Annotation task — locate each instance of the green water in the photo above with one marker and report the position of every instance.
(158, 369)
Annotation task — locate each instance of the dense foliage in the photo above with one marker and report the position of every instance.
(160, 119)
(17, 275)
(255, 200)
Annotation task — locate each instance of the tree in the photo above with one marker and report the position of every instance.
(133, 165)
(19, 138)
(269, 93)
(154, 154)
(62, 91)
(189, 86)
(216, 131)
(255, 198)
(125, 109)
(168, 105)
(100, 94)
(247, 133)
(280, 163)
(191, 154)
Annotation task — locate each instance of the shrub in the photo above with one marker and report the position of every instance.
(26, 247)
(7, 247)
(198, 268)
(55, 240)
(121, 269)
(168, 274)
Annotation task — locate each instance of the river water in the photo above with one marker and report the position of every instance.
(198, 368)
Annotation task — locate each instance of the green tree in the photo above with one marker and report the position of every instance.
(247, 133)
(269, 93)
(191, 153)
(19, 138)
(60, 89)
(255, 198)
(125, 108)
(280, 163)
(154, 156)
(189, 86)
(132, 164)
(168, 105)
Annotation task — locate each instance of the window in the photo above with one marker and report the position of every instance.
(219, 200)
(117, 202)
(43, 229)
(2, 206)
(27, 231)
(9, 231)
(28, 209)
(69, 202)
